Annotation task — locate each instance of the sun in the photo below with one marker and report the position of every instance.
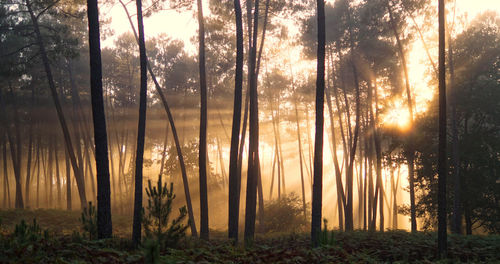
(397, 115)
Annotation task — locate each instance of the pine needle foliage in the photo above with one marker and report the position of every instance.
(159, 208)
(89, 221)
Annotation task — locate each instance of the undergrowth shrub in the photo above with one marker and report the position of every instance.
(284, 215)
(89, 221)
(29, 232)
(156, 221)
(326, 238)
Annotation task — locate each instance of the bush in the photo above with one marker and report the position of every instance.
(284, 215)
(156, 221)
(29, 233)
(89, 221)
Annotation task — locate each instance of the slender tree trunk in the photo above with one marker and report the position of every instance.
(221, 163)
(378, 159)
(318, 139)
(253, 148)
(50, 174)
(300, 159)
(442, 156)
(6, 189)
(141, 128)
(341, 200)
(58, 175)
(275, 156)
(67, 138)
(30, 147)
(68, 183)
(204, 232)
(163, 99)
(455, 148)
(163, 153)
(276, 143)
(410, 155)
(468, 220)
(15, 149)
(353, 138)
(104, 225)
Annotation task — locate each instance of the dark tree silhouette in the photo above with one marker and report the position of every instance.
(192, 223)
(141, 130)
(253, 149)
(234, 180)
(317, 195)
(203, 127)
(410, 152)
(104, 226)
(442, 166)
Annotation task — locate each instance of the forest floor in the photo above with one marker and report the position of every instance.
(57, 238)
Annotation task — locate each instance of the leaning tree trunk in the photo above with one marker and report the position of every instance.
(317, 195)
(14, 150)
(141, 130)
(410, 152)
(67, 138)
(104, 225)
(341, 201)
(192, 223)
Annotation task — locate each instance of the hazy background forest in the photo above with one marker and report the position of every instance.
(380, 147)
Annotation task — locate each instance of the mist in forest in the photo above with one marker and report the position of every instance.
(380, 112)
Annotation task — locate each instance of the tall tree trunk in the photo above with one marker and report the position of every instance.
(6, 194)
(58, 175)
(15, 149)
(50, 174)
(300, 158)
(141, 130)
(68, 183)
(378, 159)
(253, 145)
(410, 152)
(276, 143)
(104, 225)
(67, 138)
(30, 147)
(442, 156)
(317, 195)
(192, 223)
(204, 232)
(455, 148)
(341, 201)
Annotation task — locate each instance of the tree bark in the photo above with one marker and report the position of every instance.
(410, 156)
(104, 224)
(299, 141)
(253, 145)
(442, 155)
(455, 148)
(318, 138)
(192, 223)
(204, 232)
(141, 130)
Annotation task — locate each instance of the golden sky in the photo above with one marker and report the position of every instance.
(183, 26)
